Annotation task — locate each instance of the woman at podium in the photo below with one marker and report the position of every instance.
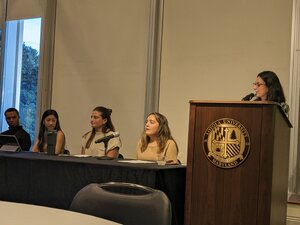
(267, 87)
(157, 143)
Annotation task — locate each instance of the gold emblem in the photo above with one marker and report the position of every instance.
(226, 143)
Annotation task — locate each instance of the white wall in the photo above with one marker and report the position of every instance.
(211, 50)
(100, 59)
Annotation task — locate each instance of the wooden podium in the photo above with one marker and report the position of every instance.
(237, 165)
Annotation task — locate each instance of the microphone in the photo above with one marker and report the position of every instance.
(249, 97)
(285, 107)
(107, 138)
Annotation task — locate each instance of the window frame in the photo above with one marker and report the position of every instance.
(46, 9)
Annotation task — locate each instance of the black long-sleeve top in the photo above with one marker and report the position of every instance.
(22, 136)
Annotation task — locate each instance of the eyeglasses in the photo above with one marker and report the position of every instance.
(257, 84)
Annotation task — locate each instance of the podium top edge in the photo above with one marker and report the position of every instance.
(215, 102)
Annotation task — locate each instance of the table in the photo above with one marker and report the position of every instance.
(25, 214)
(53, 181)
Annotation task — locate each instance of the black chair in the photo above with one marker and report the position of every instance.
(125, 203)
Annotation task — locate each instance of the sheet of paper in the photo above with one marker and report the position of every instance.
(136, 161)
(81, 156)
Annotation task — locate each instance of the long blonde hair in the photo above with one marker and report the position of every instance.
(163, 135)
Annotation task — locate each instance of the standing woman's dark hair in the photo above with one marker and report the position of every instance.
(41, 136)
(275, 91)
(268, 88)
(108, 126)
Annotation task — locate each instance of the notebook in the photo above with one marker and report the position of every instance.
(9, 143)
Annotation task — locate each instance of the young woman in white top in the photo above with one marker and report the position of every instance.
(102, 126)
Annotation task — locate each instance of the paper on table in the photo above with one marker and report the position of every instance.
(81, 155)
(136, 161)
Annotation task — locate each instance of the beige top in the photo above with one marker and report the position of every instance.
(98, 149)
(152, 152)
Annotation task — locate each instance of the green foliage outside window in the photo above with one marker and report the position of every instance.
(29, 84)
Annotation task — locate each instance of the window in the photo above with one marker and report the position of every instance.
(20, 71)
(26, 68)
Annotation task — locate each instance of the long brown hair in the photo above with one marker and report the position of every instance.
(163, 135)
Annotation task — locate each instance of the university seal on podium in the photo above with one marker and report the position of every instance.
(226, 143)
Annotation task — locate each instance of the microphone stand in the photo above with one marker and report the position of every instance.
(105, 157)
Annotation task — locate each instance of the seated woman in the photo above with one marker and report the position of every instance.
(49, 123)
(156, 141)
(268, 88)
(102, 126)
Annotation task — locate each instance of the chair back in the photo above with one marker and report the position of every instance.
(125, 203)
